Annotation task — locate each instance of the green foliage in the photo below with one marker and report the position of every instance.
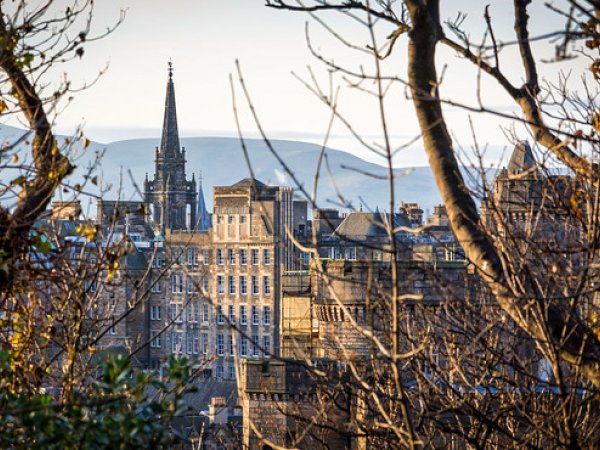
(121, 410)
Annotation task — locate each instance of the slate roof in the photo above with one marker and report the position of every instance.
(250, 182)
(521, 159)
(368, 225)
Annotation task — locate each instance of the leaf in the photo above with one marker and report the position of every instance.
(86, 142)
(596, 121)
(3, 106)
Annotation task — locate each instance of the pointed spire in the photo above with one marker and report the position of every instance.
(170, 135)
(202, 216)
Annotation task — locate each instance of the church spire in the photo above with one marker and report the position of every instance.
(169, 142)
(202, 216)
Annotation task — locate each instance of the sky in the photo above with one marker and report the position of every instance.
(204, 38)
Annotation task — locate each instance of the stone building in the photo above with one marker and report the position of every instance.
(281, 401)
(364, 236)
(353, 296)
(251, 245)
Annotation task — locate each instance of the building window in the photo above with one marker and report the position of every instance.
(266, 285)
(176, 343)
(177, 283)
(158, 260)
(205, 343)
(219, 219)
(178, 254)
(113, 327)
(205, 284)
(189, 312)
(267, 345)
(266, 256)
(254, 281)
(266, 315)
(190, 256)
(243, 285)
(255, 345)
(254, 256)
(196, 312)
(219, 256)
(189, 343)
(176, 312)
(351, 253)
(243, 315)
(156, 287)
(231, 314)
(242, 218)
(220, 284)
(231, 282)
(190, 286)
(155, 312)
(230, 345)
(196, 344)
(230, 219)
(156, 340)
(206, 258)
(243, 347)
(219, 371)
(255, 317)
(220, 317)
(231, 256)
(232, 370)
(220, 345)
(205, 313)
(243, 256)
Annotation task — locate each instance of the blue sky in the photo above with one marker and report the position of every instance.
(204, 38)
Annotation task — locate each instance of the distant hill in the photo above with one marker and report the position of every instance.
(221, 162)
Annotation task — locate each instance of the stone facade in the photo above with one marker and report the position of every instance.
(281, 400)
(353, 296)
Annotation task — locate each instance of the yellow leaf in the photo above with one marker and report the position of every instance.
(3, 106)
(596, 121)
(86, 142)
(15, 158)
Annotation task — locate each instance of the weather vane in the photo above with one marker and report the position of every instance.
(170, 68)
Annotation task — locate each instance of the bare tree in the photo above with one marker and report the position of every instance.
(65, 284)
(501, 352)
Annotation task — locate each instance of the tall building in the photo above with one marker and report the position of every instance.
(173, 197)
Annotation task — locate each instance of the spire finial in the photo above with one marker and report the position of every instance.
(169, 142)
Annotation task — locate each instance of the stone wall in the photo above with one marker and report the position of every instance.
(281, 400)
